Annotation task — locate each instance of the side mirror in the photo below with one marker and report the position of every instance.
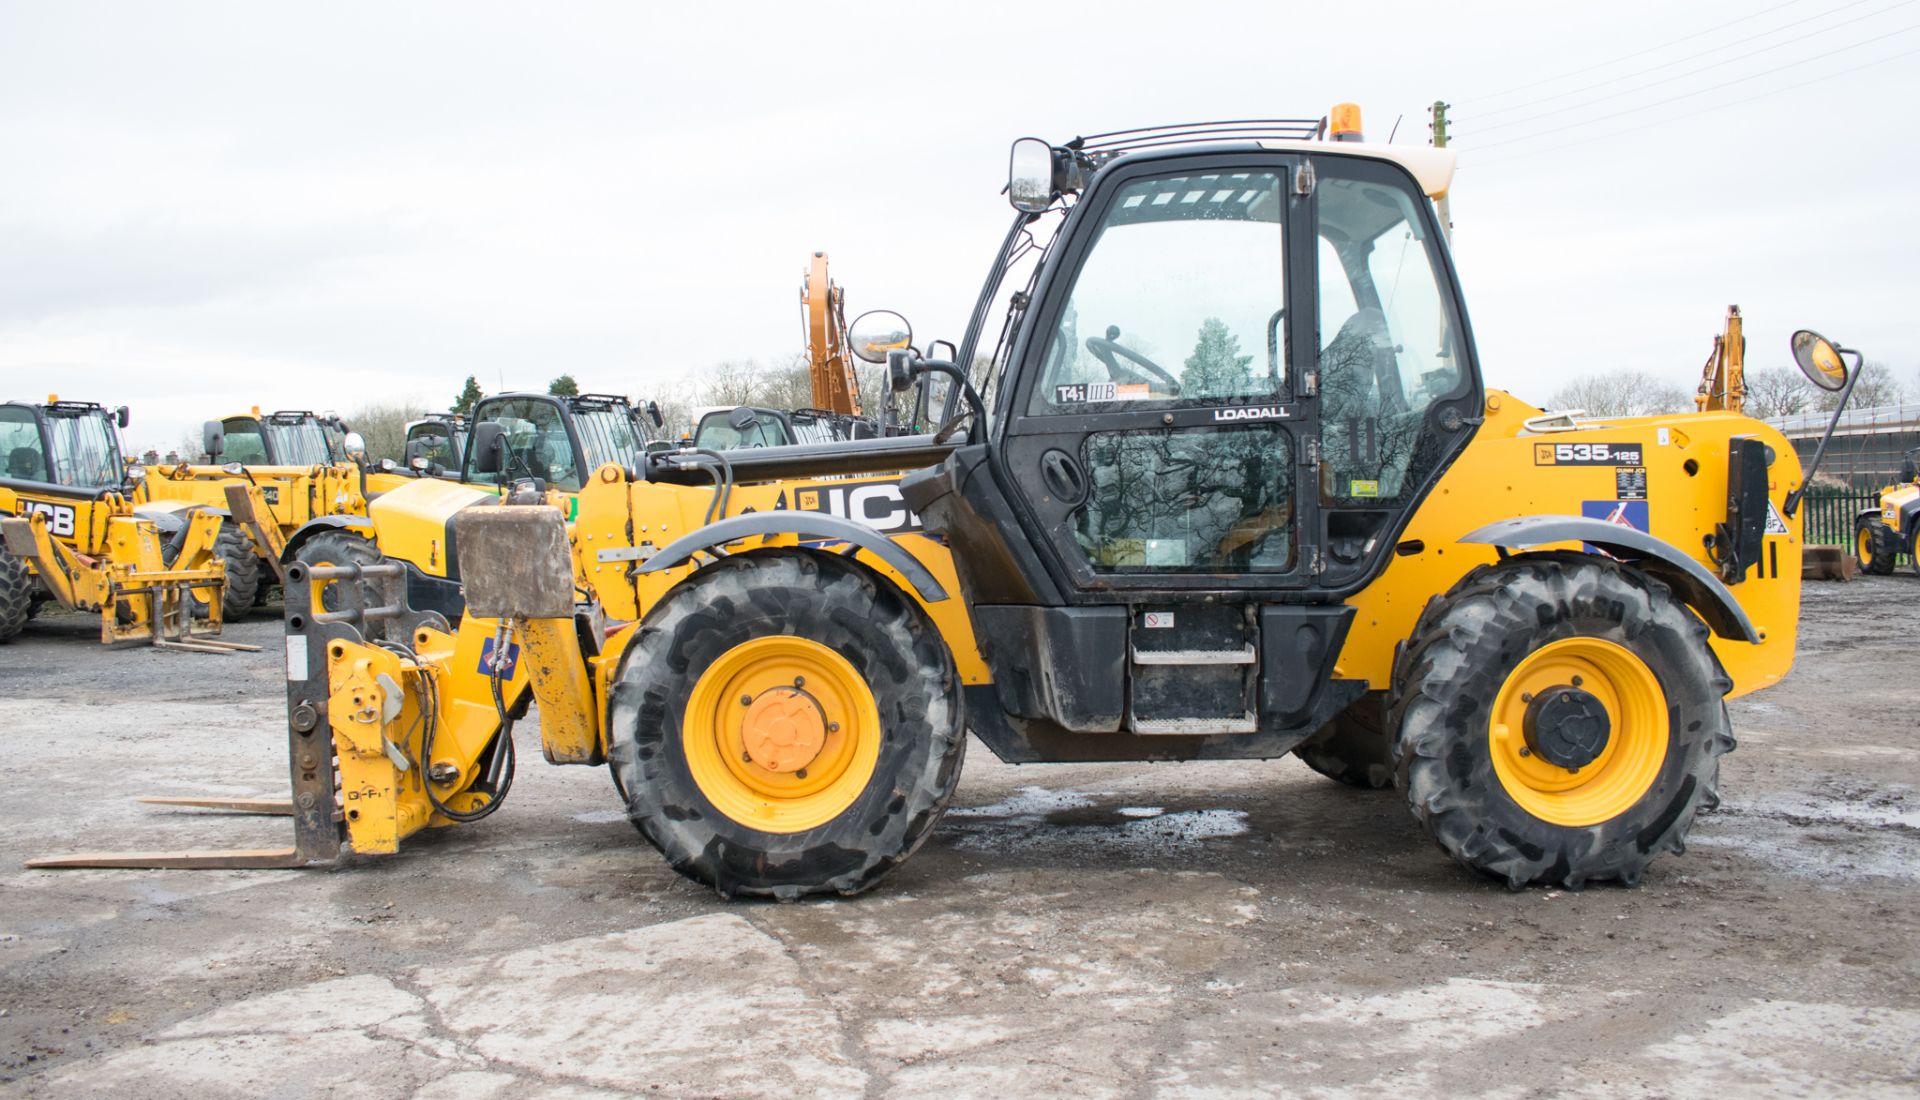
(1819, 360)
(877, 332)
(1825, 365)
(654, 414)
(1030, 175)
(120, 416)
(742, 418)
(355, 446)
(489, 447)
(213, 438)
(900, 371)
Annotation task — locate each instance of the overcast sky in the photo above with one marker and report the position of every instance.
(210, 206)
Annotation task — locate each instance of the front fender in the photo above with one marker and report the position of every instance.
(1702, 591)
(805, 525)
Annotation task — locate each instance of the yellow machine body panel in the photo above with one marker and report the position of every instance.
(412, 522)
(293, 494)
(657, 514)
(1665, 475)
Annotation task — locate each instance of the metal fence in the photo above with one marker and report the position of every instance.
(1867, 444)
(1829, 513)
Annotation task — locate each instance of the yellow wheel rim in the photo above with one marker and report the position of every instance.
(1613, 781)
(1862, 545)
(781, 734)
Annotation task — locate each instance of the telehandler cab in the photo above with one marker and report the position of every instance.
(266, 475)
(1234, 489)
(74, 534)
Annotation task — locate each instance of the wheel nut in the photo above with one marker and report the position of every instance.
(800, 773)
(746, 758)
(746, 700)
(1577, 681)
(1526, 697)
(833, 727)
(799, 681)
(1525, 751)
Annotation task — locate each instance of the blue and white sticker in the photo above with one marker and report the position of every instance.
(510, 662)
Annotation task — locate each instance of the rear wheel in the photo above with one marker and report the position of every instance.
(1875, 545)
(1562, 721)
(243, 570)
(1355, 747)
(786, 725)
(18, 589)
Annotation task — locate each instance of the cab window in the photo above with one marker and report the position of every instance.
(1180, 300)
(537, 445)
(20, 444)
(86, 454)
(245, 444)
(1390, 343)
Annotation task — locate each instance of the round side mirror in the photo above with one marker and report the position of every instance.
(742, 418)
(355, 446)
(875, 333)
(1030, 175)
(1819, 360)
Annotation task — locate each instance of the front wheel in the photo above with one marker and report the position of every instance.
(1874, 546)
(1562, 721)
(784, 724)
(243, 570)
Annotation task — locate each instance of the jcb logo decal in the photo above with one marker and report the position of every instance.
(59, 516)
(879, 505)
(1586, 454)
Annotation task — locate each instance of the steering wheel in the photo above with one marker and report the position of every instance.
(1150, 372)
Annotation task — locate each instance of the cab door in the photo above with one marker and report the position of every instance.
(1158, 439)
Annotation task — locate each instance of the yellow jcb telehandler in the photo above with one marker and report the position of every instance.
(1235, 489)
(74, 534)
(1891, 528)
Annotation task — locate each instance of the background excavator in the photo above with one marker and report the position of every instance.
(835, 414)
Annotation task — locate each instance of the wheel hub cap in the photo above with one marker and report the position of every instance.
(1567, 727)
(783, 730)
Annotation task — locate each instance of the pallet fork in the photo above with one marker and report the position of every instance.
(315, 803)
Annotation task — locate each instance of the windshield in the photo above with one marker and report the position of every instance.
(607, 435)
(85, 452)
(1013, 274)
(715, 433)
(301, 444)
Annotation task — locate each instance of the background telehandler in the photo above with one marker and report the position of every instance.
(1233, 476)
(1883, 533)
(76, 532)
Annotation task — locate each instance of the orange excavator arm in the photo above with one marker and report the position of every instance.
(835, 388)
(1723, 384)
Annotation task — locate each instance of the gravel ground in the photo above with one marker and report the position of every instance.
(1115, 930)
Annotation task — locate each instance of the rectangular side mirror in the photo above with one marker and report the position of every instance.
(120, 416)
(213, 438)
(653, 414)
(489, 447)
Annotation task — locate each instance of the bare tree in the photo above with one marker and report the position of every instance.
(731, 382)
(1778, 391)
(1621, 393)
(1877, 386)
(384, 427)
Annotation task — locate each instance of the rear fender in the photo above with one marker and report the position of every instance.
(1700, 589)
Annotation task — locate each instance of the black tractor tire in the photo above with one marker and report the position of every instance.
(1913, 547)
(1355, 748)
(897, 655)
(1875, 546)
(1463, 652)
(338, 547)
(243, 570)
(19, 590)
